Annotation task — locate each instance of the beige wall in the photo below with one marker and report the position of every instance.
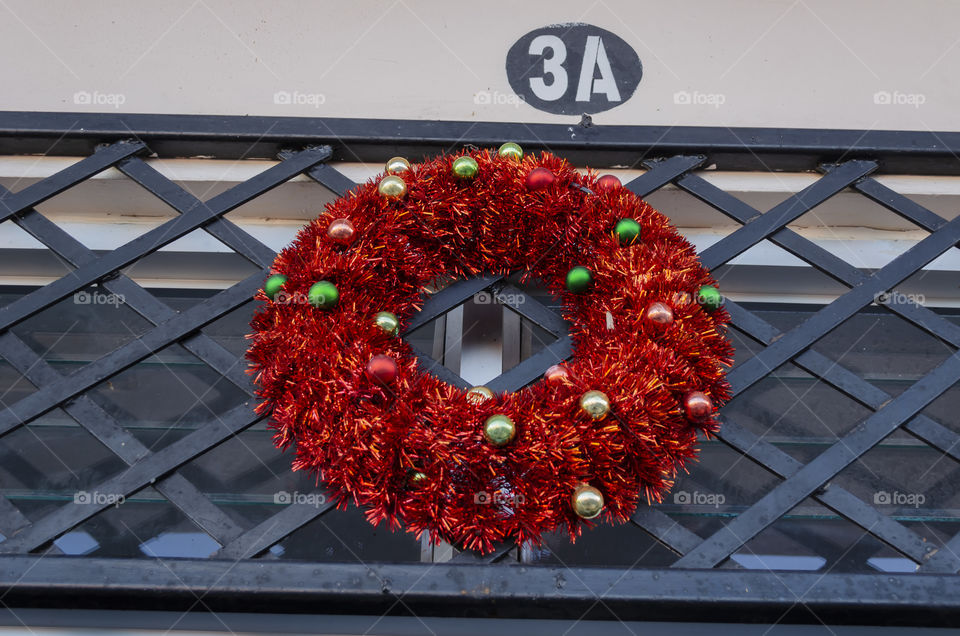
(801, 63)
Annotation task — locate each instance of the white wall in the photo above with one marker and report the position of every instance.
(795, 63)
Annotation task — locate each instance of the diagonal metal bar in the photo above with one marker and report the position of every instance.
(843, 502)
(759, 228)
(11, 519)
(134, 296)
(182, 201)
(327, 176)
(828, 318)
(820, 258)
(846, 381)
(205, 348)
(437, 370)
(899, 204)
(176, 488)
(533, 367)
(138, 475)
(14, 202)
(448, 298)
(935, 434)
(663, 171)
(836, 498)
(665, 530)
(271, 530)
(167, 332)
(867, 394)
(531, 309)
(813, 475)
(162, 235)
(893, 533)
(946, 560)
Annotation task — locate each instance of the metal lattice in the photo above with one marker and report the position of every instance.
(28, 556)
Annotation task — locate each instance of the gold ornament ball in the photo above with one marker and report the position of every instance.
(499, 430)
(417, 478)
(465, 167)
(596, 404)
(587, 501)
(397, 165)
(392, 187)
(479, 395)
(511, 150)
(388, 322)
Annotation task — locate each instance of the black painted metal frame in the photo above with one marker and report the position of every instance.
(32, 573)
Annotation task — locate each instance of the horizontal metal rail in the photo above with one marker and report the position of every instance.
(375, 140)
(480, 590)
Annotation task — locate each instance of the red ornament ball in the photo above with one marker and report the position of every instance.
(608, 183)
(539, 178)
(659, 314)
(383, 369)
(555, 374)
(341, 231)
(698, 406)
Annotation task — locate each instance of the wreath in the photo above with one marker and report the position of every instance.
(614, 423)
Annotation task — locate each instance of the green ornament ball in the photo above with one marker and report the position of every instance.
(323, 294)
(511, 150)
(627, 231)
(709, 298)
(388, 322)
(465, 167)
(273, 285)
(579, 279)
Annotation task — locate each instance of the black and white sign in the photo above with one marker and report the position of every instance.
(570, 69)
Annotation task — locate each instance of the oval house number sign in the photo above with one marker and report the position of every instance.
(571, 69)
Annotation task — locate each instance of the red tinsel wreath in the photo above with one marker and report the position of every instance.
(616, 421)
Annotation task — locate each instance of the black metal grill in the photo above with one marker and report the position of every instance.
(244, 573)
